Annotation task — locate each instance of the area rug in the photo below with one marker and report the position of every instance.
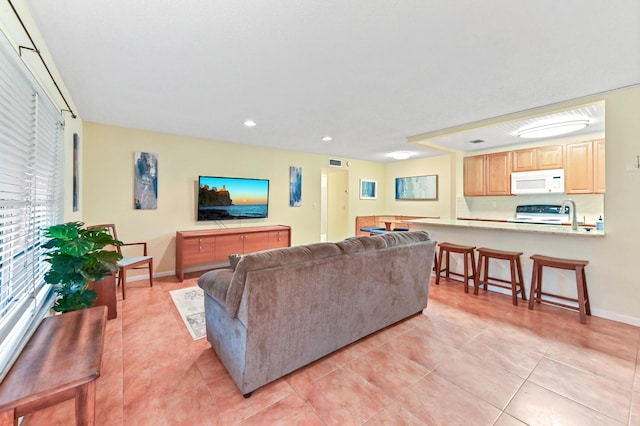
(190, 304)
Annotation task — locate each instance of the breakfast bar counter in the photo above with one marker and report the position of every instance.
(548, 240)
(501, 225)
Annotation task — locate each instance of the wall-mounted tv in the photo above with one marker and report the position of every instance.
(228, 198)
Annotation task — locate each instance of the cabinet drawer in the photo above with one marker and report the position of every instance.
(278, 239)
(228, 244)
(256, 241)
(199, 250)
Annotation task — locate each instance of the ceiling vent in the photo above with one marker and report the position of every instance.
(335, 163)
(477, 141)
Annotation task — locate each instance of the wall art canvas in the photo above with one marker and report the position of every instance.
(295, 186)
(145, 193)
(368, 189)
(76, 172)
(417, 188)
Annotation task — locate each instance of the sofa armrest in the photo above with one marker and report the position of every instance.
(216, 283)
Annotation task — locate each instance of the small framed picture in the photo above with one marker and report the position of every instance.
(368, 189)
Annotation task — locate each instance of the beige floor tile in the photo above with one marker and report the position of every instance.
(592, 391)
(484, 380)
(535, 405)
(436, 401)
(394, 415)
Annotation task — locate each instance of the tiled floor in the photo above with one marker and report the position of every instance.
(468, 360)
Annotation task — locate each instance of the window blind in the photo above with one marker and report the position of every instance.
(31, 166)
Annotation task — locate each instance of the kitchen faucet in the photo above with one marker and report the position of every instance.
(574, 218)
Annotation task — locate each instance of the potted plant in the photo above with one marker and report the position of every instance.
(77, 256)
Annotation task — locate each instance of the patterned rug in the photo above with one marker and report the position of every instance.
(190, 304)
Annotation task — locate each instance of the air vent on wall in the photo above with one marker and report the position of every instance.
(335, 163)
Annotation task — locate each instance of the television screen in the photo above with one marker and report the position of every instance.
(224, 198)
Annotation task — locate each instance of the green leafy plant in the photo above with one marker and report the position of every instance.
(77, 256)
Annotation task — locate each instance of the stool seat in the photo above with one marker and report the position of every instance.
(468, 257)
(516, 283)
(540, 261)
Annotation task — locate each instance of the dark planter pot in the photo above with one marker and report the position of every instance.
(106, 290)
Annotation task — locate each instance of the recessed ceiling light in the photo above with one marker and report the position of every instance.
(250, 123)
(327, 138)
(545, 130)
(400, 155)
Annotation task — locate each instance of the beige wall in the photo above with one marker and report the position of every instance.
(108, 153)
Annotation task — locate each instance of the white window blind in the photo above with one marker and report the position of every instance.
(31, 147)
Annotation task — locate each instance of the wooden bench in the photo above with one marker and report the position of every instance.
(61, 361)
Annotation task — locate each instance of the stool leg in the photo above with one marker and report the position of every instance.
(514, 289)
(466, 272)
(587, 304)
(534, 280)
(581, 298)
(448, 265)
(478, 277)
(438, 267)
(523, 293)
(473, 268)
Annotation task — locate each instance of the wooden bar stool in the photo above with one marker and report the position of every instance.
(468, 257)
(539, 262)
(516, 283)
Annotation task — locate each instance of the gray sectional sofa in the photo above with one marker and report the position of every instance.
(284, 308)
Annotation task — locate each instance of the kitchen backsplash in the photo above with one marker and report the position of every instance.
(588, 207)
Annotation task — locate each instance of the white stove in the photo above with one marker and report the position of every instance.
(542, 214)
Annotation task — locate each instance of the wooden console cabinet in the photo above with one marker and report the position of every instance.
(215, 245)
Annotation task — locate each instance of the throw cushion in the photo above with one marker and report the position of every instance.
(234, 259)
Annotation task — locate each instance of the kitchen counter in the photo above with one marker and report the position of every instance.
(503, 225)
(548, 240)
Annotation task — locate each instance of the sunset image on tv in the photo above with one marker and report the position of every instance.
(222, 198)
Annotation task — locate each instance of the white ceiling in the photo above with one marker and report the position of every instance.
(369, 73)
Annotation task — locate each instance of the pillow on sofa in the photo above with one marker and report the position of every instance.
(234, 259)
(216, 283)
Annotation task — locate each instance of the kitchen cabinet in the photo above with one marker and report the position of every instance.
(210, 246)
(488, 174)
(550, 157)
(474, 176)
(578, 172)
(540, 158)
(598, 167)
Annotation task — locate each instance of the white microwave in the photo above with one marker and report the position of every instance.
(538, 182)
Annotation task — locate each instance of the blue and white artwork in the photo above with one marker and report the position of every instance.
(417, 188)
(295, 186)
(368, 190)
(145, 192)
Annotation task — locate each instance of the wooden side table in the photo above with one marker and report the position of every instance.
(61, 361)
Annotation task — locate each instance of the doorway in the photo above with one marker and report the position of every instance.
(334, 197)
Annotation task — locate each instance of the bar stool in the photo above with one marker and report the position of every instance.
(517, 282)
(578, 266)
(468, 257)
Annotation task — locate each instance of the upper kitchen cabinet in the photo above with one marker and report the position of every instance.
(488, 174)
(584, 169)
(474, 176)
(598, 167)
(541, 158)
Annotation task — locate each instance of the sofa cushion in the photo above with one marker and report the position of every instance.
(216, 284)
(270, 259)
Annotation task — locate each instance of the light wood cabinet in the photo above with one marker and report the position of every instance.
(488, 174)
(524, 160)
(215, 245)
(540, 158)
(474, 176)
(498, 173)
(578, 172)
(599, 184)
(549, 157)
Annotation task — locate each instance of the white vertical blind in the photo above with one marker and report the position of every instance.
(31, 147)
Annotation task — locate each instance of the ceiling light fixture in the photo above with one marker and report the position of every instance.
(553, 129)
(327, 139)
(250, 123)
(400, 155)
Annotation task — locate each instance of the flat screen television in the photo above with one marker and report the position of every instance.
(229, 198)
